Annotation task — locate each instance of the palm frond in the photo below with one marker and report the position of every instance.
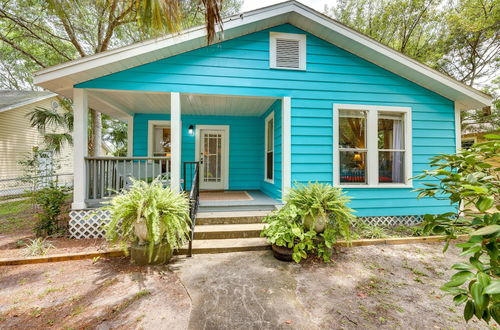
(42, 119)
(56, 141)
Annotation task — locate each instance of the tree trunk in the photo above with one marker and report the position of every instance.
(95, 149)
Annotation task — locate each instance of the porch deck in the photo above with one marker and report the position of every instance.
(259, 201)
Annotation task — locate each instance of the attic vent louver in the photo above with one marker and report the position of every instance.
(287, 51)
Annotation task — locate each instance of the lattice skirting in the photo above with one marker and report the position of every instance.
(402, 220)
(88, 223)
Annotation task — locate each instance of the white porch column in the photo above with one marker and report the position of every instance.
(80, 147)
(176, 134)
(458, 128)
(130, 136)
(286, 144)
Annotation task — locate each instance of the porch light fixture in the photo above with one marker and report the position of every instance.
(191, 130)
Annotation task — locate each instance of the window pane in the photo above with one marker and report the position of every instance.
(352, 129)
(352, 167)
(269, 164)
(161, 141)
(391, 167)
(270, 135)
(390, 131)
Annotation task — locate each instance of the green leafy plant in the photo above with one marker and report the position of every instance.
(469, 178)
(50, 201)
(318, 200)
(37, 247)
(164, 213)
(286, 227)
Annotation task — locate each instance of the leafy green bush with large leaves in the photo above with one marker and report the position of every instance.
(470, 179)
(165, 213)
(286, 226)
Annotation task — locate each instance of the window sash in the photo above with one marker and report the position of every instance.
(373, 166)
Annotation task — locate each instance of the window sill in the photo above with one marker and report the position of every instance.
(379, 186)
(269, 181)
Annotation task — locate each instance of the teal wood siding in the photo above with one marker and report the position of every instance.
(274, 189)
(241, 67)
(246, 144)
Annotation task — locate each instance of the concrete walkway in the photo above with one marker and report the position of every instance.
(371, 287)
(366, 288)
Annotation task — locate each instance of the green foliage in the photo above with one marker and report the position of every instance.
(319, 200)
(37, 247)
(165, 213)
(285, 227)
(50, 201)
(470, 179)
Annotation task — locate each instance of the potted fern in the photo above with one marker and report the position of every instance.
(310, 222)
(319, 204)
(152, 219)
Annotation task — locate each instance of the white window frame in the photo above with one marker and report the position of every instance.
(372, 147)
(266, 143)
(151, 126)
(301, 38)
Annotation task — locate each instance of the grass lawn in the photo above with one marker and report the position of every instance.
(16, 217)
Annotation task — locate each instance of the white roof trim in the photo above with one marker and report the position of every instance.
(287, 12)
(27, 102)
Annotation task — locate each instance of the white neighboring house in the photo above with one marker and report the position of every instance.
(17, 138)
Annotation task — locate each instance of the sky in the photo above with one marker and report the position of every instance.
(319, 5)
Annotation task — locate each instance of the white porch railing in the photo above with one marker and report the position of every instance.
(107, 175)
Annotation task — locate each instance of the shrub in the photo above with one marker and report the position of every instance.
(165, 214)
(470, 179)
(50, 201)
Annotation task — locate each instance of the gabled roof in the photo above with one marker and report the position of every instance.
(11, 99)
(61, 78)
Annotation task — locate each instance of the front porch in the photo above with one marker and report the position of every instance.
(241, 143)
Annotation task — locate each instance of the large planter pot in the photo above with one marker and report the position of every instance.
(282, 253)
(141, 230)
(318, 223)
(162, 253)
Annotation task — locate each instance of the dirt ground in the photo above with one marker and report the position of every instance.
(373, 287)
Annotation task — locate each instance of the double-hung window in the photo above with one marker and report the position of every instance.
(269, 148)
(372, 146)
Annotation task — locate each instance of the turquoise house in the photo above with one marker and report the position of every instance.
(286, 95)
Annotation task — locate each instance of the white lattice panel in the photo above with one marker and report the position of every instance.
(403, 220)
(88, 223)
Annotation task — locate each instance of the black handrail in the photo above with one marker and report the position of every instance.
(194, 198)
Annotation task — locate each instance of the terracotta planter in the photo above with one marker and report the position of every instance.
(318, 224)
(162, 253)
(282, 253)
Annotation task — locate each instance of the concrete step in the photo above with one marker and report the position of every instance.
(228, 231)
(220, 218)
(226, 245)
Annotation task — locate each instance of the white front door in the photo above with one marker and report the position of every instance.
(213, 157)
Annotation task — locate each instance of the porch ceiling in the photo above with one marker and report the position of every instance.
(122, 103)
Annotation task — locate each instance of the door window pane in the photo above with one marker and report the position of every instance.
(352, 167)
(391, 167)
(352, 129)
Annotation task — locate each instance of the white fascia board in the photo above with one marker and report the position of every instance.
(361, 42)
(27, 102)
(195, 36)
(287, 12)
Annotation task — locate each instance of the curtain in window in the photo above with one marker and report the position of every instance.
(397, 143)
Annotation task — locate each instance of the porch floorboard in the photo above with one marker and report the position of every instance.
(258, 198)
